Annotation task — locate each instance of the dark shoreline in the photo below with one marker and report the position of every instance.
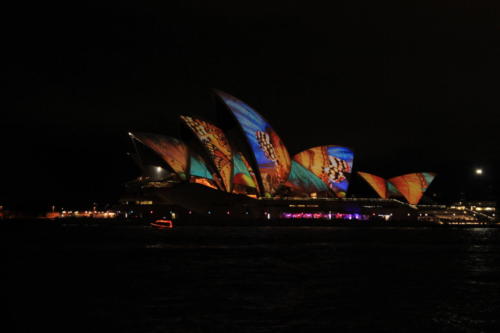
(214, 222)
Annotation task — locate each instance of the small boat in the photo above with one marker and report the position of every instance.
(162, 224)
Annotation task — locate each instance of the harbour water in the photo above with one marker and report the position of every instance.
(251, 279)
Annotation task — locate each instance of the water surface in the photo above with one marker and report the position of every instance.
(252, 279)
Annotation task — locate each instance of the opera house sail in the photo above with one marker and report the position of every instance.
(269, 152)
(173, 151)
(240, 157)
(331, 164)
(214, 141)
(244, 180)
(413, 185)
(410, 186)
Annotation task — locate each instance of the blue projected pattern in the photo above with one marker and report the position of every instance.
(270, 153)
(345, 155)
(304, 181)
(332, 164)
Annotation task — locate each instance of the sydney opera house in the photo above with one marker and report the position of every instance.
(238, 166)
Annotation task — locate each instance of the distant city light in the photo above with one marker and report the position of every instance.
(158, 169)
(479, 171)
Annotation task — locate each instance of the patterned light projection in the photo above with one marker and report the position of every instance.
(332, 164)
(173, 151)
(270, 153)
(392, 191)
(304, 181)
(411, 186)
(242, 174)
(200, 174)
(379, 184)
(316, 170)
(217, 146)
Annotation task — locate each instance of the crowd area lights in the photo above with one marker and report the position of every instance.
(325, 216)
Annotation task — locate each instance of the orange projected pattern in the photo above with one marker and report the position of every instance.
(198, 170)
(215, 142)
(250, 171)
(270, 153)
(332, 170)
(275, 151)
(244, 181)
(243, 173)
(413, 185)
(173, 151)
(313, 159)
(203, 181)
(377, 183)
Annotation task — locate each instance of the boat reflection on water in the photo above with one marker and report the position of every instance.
(162, 224)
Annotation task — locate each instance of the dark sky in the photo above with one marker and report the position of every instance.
(410, 85)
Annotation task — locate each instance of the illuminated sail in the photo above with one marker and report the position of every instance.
(304, 181)
(200, 174)
(332, 164)
(173, 151)
(392, 191)
(413, 185)
(379, 184)
(217, 146)
(270, 153)
(241, 173)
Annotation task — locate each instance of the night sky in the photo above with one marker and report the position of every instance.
(409, 85)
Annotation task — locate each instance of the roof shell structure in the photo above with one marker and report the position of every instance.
(269, 152)
(379, 184)
(413, 185)
(304, 181)
(332, 164)
(217, 146)
(242, 172)
(200, 174)
(173, 151)
(255, 162)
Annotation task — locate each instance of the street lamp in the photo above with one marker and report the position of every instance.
(479, 171)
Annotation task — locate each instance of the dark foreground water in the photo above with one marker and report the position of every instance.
(215, 279)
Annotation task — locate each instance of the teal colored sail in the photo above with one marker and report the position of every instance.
(239, 166)
(198, 168)
(305, 181)
(392, 191)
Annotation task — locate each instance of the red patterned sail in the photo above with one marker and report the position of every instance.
(173, 151)
(413, 185)
(332, 164)
(217, 146)
(379, 184)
